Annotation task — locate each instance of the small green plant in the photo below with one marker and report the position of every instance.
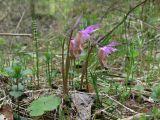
(155, 112)
(48, 60)
(125, 95)
(2, 41)
(94, 82)
(143, 117)
(156, 93)
(35, 38)
(16, 93)
(131, 64)
(16, 72)
(43, 104)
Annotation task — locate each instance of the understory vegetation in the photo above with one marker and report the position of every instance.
(79, 60)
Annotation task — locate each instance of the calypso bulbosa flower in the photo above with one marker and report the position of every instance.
(105, 51)
(76, 44)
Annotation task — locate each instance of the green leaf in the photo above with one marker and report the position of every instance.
(143, 117)
(47, 57)
(20, 87)
(139, 87)
(2, 41)
(9, 71)
(16, 94)
(26, 72)
(17, 70)
(4, 73)
(38, 112)
(14, 87)
(135, 53)
(49, 105)
(156, 93)
(43, 104)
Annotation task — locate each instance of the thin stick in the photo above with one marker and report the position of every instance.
(120, 103)
(16, 34)
(20, 21)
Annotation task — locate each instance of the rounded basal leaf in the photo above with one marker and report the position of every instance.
(14, 87)
(16, 94)
(35, 105)
(43, 104)
(38, 112)
(52, 103)
(20, 87)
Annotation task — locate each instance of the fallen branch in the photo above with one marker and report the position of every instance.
(120, 103)
(20, 21)
(16, 34)
(136, 117)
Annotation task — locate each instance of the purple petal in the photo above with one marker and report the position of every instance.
(85, 36)
(109, 50)
(73, 44)
(91, 29)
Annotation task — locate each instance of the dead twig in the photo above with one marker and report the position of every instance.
(20, 21)
(120, 103)
(16, 34)
(137, 116)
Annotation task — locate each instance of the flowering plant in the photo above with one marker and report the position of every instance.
(105, 51)
(76, 44)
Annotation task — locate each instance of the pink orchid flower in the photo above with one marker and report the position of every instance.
(76, 45)
(86, 33)
(105, 51)
(74, 50)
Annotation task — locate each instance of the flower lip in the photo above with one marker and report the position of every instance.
(75, 49)
(73, 44)
(110, 48)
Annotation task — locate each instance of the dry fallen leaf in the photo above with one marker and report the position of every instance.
(6, 112)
